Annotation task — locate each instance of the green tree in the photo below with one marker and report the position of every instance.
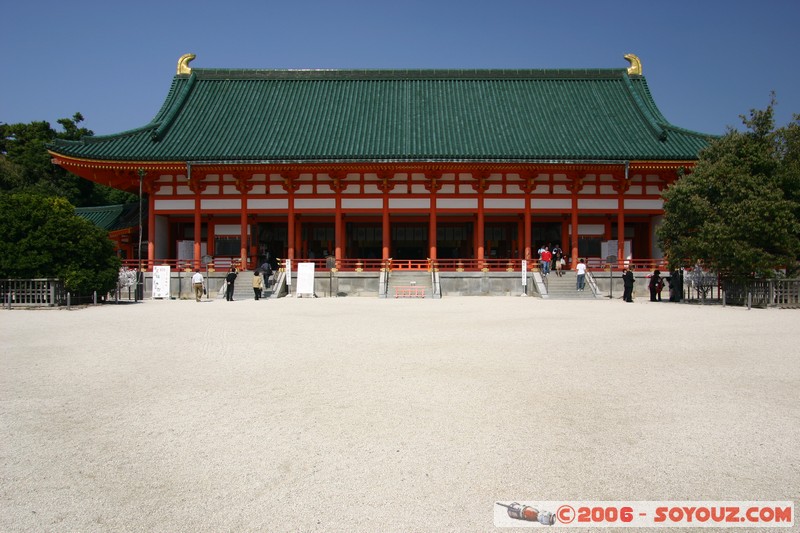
(44, 238)
(25, 164)
(738, 212)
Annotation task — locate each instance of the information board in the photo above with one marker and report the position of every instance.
(161, 281)
(305, 278)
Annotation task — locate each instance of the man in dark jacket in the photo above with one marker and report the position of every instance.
(655, 286)
(627, 282)
(230, 278)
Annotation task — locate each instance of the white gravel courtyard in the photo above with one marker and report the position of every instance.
(360, 414)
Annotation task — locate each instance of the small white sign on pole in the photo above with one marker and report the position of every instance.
(288, 272)
(305, 278)
(524, 273)
(161, 281)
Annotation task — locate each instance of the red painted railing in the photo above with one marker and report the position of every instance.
(374, 265)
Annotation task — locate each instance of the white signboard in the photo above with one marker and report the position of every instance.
(524, 272)
(288, 272)
(305, 278)
(161, 281)
(610, 248)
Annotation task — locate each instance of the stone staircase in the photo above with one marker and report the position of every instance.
(563, 287)
(243, 288)
(420, 280)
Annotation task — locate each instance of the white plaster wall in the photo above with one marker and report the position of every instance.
(220, 204)
(277, 203)
(174, 205)
(515, 204)
(362, 203)
(554, 203)
(457, 203)
(597, 204)
(644, 204)
(315, 203)
(409, 203)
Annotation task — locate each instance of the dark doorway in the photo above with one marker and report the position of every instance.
(364, 240)
(273, 238)
(409, 240)
(454, 240)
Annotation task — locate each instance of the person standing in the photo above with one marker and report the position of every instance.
(258, 284)
(546, 257)
(197, 283)
(581, 270)
(627, 281)
(230, 279)
(559, 260)
(266, 271)
(557, 254)
(655, 282)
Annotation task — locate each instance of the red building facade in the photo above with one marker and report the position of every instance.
(468, 168)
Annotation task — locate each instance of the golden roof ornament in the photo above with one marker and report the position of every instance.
(183, 64)
(636, 65)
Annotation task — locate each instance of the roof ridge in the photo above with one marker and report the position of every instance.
(407, 74)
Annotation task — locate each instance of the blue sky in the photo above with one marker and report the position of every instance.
(706, 61)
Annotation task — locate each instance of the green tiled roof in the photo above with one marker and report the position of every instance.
(112, 217)
(400, 115)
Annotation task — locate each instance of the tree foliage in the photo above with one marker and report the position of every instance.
(738, 212)
(25, 164)
(42, 237)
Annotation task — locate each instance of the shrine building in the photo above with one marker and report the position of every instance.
(472, 169)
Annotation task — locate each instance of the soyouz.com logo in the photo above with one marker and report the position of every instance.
(768, 514)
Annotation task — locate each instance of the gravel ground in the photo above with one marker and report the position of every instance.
(360, 414)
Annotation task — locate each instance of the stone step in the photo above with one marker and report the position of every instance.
(564, 287)
(419, 280)
(243, 288)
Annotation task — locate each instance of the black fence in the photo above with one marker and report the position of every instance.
(44, 292)
(50, 292)
(783, 293)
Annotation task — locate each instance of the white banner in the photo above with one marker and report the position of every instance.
(305, 278)
(161, 281)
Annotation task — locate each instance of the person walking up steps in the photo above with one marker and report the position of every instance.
(258, 284)
(581, 270)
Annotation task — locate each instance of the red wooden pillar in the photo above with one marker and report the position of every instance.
(386, 235)
(198, 226)
(621, 187)
(290, 186)
(433, 186)
(151, 230)
(576, 185)
(244, 234)
(480, 188)
(526, 230)
(432, 229)
(210, 236)
(338, 229)
(244, 187)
